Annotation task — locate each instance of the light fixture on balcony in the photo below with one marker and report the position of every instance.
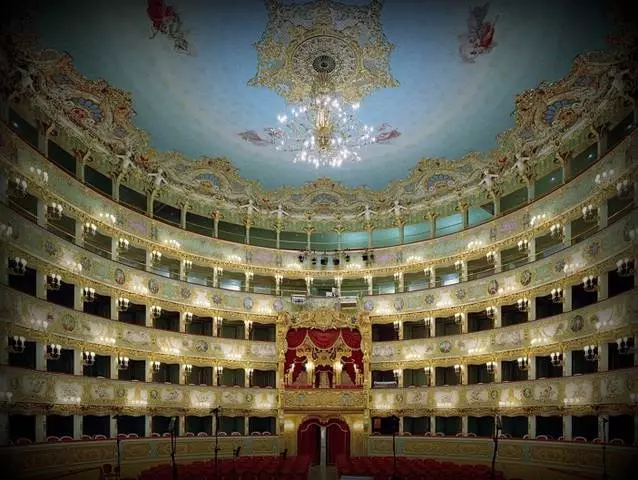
(397, 328)
(188, 368)
(88, 294)
(623, 188)
(557, 295)
(53, 351)
(397, 276)
(122, 304)
(604, 176)
(474, 244)
(397, 373)
(491, 257)
(557, 231)
(16, 344)
(18, 188)
(556, 358)
(625, 267)
(368, 256)
(89, 229)
(523, 245)
(458, 318)
(156, 311)
(173, 244)
(54, 281)
(625, 345)
(54, 211)
(40, 175)
(590, 283)
(188, 265)
(491, 367)
(155, 366)
(6, 397)
(591, 353)
(523, 363)
(458, 265)
(88, 358)
(122, 245)
(522, 304)
(122, 362)
(590, 213)
(457, 369)
(219, 370)
(248, 324)
(188, 317)
(156, 257)
(490, 312)
(249, 373)
(6, 231)
(536, 219)
(18, 266)
(428, 272)
(427, 321)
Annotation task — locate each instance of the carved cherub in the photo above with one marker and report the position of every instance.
(281, 213)
(522, 166)
(488, 181)
(250, 207)
(158, 178)
(367, 213)
(397, 208)
(618, 84)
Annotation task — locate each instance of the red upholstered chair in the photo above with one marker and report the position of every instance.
(53, 438)
(202, 434)
(155, 435)
(99, 436)
(616, 441)
(23, 441)
(66, 438)
(266, 434)
(190, 434)
(133, 435)
(255, 434)
(235, 434)
(166, 434)
(86, 437)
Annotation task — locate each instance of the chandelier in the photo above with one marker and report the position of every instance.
(323, 130)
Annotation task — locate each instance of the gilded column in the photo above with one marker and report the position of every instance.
(431, 217)
(216, 217)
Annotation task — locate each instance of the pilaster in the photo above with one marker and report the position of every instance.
(567, 427)
(603, 357)
(40, 428)
(603, 286)
(78, 425)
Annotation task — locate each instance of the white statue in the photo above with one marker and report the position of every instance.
(127, 160)
(488, 181)
(618, 81)
(367, 213)
(280, 212)
(26, 80)
(521, 166)
(159, 178)
(397, 209)
(250, 207)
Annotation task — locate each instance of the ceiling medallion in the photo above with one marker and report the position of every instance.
(323, 58)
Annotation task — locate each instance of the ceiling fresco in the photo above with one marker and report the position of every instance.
(437, 78)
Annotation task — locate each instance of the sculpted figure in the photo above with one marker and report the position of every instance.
(488, 181)
(280, 212)
(250, 207)
(618, 84)
(367, 213)
(397, 208)
(522, 166)
(158, 178)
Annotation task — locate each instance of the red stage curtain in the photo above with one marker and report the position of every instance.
(337, 439)
(308, 441)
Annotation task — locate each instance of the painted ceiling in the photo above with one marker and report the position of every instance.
(450, 78)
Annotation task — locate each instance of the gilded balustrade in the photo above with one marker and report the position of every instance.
(24, 315)
(84, 204)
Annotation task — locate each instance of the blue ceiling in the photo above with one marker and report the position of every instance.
(444, 107)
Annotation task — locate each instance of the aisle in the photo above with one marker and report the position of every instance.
(317, 473)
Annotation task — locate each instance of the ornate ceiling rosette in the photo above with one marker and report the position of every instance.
(345, 41)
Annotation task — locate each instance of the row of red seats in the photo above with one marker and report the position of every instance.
(383, 468)
(243, 468)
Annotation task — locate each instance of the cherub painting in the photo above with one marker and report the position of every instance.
(479, 38)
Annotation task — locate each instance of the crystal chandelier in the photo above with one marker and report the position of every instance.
(323, 130)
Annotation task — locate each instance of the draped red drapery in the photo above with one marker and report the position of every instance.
(308, 441)
(337, 439)
(324, 339)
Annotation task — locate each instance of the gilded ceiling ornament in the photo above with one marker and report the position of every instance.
(345, 40)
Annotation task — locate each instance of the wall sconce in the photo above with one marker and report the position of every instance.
(398, 276)
(428, 271)
(490, 312)
(557, 231)
(458, 318)
(522, 304)
(6, 397)
(122, 304)
(397, 373)
(88, 358)
(458, 369)
(173, 244)
(523, 363)
(248, 325)
(89, 229)
(54, 211)
(249, 373)
(427, 371)
(156, 257)
(491, 367)
(122, 362)
(590, 213)
(18, 266)
(604, 176)
(6, 231)
(625, 267)
(53, 351)
(155, 366)
(122, 245)
(88, 295)
(590, 283)
(556, 358)
(427, 321)
(108, 218)
(625, 345)
(156, 311)
(188, 368)
(368, 255)
(18, 188)
(188, 265)
(16, 344)
(523, 245)
(537, 219)
(591, 353)
(491, 257)
(54, 281)
(219, 370)
(557, 295)
(397, 328)
(458, 265)
(188, 317)
(623, 188)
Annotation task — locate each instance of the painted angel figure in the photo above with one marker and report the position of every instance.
(126, 160)
(522, 167)
(25, 83)
(488, 181)
(618, 84)
(281, 213)
(397, 208)
(367, 213)
(158, 178)
(250, 207)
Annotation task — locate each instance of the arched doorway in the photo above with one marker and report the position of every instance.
(332, 436)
